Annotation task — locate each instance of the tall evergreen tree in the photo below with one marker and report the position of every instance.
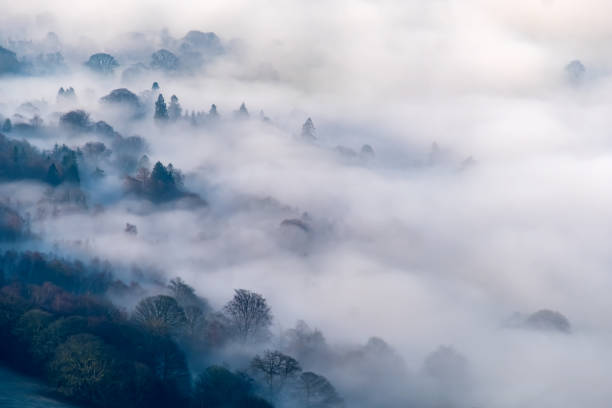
(309, 130)
(174, 110)
(53, 176)
(212, 113)
(161, 111)
(72, 174)
(242, 112)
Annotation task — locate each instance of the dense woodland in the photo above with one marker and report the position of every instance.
(57, 324)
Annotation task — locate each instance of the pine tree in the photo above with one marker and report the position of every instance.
(72, 174)
(242, 112)
(53, 176)
(212, 113)
(174, 110)
(161, 111)
(309, 130)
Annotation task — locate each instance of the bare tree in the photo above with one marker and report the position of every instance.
(249, 314)
(161, 313)
(275, 368)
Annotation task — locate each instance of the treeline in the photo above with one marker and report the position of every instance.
(19, 160)
(57, 324)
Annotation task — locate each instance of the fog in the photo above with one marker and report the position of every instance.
(487, 193)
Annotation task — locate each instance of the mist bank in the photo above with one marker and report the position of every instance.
(421, 187)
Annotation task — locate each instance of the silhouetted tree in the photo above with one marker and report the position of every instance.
(308, 130)
(102, 63)
(275, 369)
(174, 110)
(242, 112)
(212, 113)
(84, 369)
(249, 315)
(53, 176)
(548, 320)
(71, 174)
(160, 313)
(161, 111)
(122, 96)
(164, 60)
(76, 120)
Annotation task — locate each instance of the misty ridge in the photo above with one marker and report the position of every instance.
(384, 207)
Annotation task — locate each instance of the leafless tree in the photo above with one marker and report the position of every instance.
(275, 369)
(249, 314)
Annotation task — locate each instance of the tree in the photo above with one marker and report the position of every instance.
(83, 369)
(161, 178)
(75, 120)
(122, 96)
(174, 110)
(315, 391)
(275, 369)
(29, 332)
(305, 343)
(183, 293)
(7, 126)
(53, 176)
(548, 320)
(212, 113)
(160, 313)
(102, 63)
(164, 60)
(155, 86)
(308, 130)
(161, 111)
(218, 387)
(249, 315)
(242, 112)
(71, 174)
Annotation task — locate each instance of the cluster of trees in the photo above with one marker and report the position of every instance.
(32, 267)
(161, 184)
(173, 112)
(177, 55)
(165, 112)
(20, 160)
(66, 95)
(55, 323)
(125, 152)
